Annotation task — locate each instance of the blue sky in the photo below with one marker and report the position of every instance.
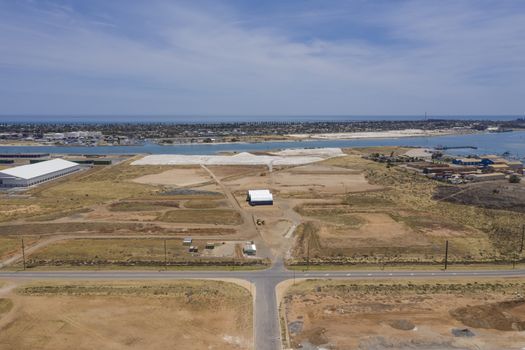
(272, 57)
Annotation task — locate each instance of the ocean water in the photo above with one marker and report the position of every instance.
(487, 143)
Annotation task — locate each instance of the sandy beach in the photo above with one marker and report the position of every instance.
(378, 134)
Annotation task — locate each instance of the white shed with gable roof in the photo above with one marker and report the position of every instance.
(260, 197)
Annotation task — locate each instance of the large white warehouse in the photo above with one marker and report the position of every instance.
(32, 174)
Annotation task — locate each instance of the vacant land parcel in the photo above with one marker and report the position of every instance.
(399, 223)
(128, 315)
(138, 253)
(177, 177)
(387, 315)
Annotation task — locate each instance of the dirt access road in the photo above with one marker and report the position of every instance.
(248, 225)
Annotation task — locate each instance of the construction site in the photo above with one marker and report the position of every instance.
(323, 216)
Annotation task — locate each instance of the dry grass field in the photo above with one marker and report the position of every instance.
(204, 204)
(347, 210)
(127, 315)
(12, 245)
(77, 191)
(204, 216)
(94, 187)
(406, 315)
(5, 305)
(116, 201)
(130, 206)
(137, 253)
(401, 223)
(9, 245)
(81, 227)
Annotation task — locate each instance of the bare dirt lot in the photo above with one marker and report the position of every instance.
(128, 315)
(176, 177)
(313, 178)
(223, 172)
(417, 315)
(322, 178)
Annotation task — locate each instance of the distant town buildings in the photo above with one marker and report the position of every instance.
(456, 170)
(72, 135)
(70, 138)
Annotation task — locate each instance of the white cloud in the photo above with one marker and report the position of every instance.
(451, 59)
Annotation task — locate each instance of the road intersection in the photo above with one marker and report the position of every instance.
(266, 316)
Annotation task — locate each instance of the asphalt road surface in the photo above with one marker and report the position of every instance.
(266, 325)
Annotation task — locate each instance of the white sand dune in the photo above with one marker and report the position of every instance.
(285, 157)
(374, 134)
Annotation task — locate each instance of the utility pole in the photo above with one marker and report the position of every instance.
(23, 254)
(522, 237)
(165, 256)
(446, 254)
(308, 255)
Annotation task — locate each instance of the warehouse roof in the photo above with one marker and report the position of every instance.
(469, 160)
(31, 171)
(260, 195)
(487, 175)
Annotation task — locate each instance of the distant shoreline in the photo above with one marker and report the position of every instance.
(387, 134)
(207, 119)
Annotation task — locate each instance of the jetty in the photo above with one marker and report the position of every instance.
(444, 148)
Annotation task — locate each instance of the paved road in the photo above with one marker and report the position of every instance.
(267, 330)
(256, 276)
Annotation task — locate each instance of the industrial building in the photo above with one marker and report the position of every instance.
(24, 155)
(33, 174)
(485, 177)
(260, 197)
(468, 161)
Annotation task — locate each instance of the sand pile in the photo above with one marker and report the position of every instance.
(288, 157)
(319, 152)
